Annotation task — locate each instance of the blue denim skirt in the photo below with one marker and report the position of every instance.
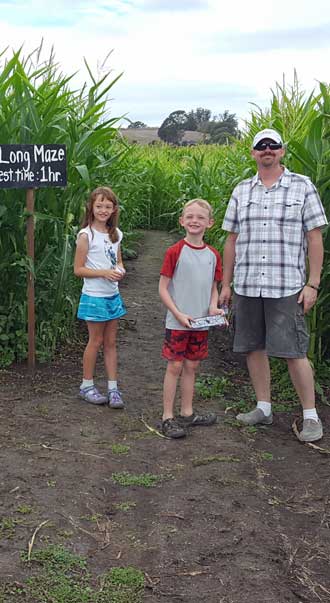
(100, 309)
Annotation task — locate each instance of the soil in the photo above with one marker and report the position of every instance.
(238, 515)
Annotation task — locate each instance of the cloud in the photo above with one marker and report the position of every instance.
(152, 102)
(60, 13)
(270, 40)
(174, 5)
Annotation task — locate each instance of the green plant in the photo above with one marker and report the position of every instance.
(95, 517)
(215, 459)
(130, 479)
(37, 104)
(208, 386)
(60, 576)
(267, 456)
(120, 449)
(121, 585)
(282, 388)
(7, 526)
(24, 509)
(125, 506)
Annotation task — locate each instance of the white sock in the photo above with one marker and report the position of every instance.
(310, 413)
(266, 407)
(112, 385)
(87, 383)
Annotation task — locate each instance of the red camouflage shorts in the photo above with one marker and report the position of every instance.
(181, 345)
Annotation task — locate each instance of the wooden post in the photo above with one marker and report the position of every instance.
(30, 283)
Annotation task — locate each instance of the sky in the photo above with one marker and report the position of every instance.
(177, 54)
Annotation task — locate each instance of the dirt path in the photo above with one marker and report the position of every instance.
(238, 515)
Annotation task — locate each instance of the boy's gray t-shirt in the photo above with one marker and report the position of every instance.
(192, 271)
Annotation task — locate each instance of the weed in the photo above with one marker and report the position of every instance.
(215, 459)
(120, 449)
(7, 527)
(232, 422)
(24, 509)
(65, 533)
(63, 577)
(121, 585)
(125, 506)
(56, 557)
(51, 483)
(208, 386)
(94, 518)
(242, 405)
(130, 479)
(251, 429)
(282, 388)
(267, 456)
(42, 410)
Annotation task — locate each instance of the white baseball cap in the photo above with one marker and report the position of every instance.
(267, 133)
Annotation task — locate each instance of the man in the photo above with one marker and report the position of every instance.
(274, 221)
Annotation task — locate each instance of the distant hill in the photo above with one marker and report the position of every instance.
(150, 135)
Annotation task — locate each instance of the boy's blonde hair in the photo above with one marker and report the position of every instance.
(201, 203)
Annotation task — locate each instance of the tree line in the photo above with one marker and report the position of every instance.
(218, 129)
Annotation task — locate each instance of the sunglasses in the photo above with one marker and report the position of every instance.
(273, 146)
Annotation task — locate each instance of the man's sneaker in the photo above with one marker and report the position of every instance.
(311, 431)
(92, 395)
(172, 429)
(194, 420)
(255, 417)
(114, 399)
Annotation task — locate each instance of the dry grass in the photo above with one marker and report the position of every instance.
(307, 566)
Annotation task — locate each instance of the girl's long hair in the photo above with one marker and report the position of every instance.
(112, 223)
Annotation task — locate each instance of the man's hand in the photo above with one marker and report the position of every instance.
(225, 295)
(307, 297)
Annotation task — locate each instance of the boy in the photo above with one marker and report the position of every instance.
(188, 288)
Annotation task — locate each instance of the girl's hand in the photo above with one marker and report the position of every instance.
(113, 275)
(121, 271)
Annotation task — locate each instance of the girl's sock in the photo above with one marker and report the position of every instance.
(87, 383)
(266, 407)
(310, 413)
(112, 385)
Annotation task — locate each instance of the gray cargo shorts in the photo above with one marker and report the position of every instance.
(275, 325)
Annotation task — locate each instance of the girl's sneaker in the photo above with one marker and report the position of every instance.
(114, 399)
(92, 395)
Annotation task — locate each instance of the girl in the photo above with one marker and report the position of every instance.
(98, 261)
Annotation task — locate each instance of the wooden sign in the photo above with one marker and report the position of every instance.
(32, 165)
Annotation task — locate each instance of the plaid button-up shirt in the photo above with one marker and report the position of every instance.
(271, 246)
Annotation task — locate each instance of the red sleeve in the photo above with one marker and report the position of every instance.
(218, 266)
(171, 259)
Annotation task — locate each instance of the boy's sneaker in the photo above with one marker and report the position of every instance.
(114, 399)
(172, 429)
(195, 420)
(92, 395)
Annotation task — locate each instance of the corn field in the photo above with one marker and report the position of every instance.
(39, 106)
